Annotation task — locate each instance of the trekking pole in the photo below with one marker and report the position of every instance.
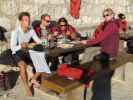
(85, 91)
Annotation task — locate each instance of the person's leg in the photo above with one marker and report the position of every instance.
(34, 79)
(54, 63)
(102, 87)
(102, 82)
(38, 74)
(24, 77)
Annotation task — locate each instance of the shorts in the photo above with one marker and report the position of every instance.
(22, 56)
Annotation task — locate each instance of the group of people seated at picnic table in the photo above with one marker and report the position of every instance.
(106, 36)
(39, 33)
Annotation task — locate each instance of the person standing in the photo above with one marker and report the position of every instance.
(107, 36)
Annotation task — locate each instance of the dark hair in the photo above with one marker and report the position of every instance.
(103, 58)
(44, 15)
(23, 14)
(63, 20)
(121, 16)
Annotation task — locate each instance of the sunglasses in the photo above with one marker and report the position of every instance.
(62, 25)
(106, 15)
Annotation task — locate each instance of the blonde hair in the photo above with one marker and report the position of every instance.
(109, 11)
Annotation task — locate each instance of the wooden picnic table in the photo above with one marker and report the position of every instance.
(64, 85)
(58, 51)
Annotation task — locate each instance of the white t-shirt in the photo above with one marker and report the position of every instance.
(18, 37)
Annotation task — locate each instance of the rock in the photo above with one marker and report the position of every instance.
(43, 9)
(41, 1)
(9, 7)
(5, 22)
(86, 20)
(57, 2)
(29, 8)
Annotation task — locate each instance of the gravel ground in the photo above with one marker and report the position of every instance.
(121, 90)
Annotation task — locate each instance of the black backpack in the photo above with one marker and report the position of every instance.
(130, 46)
(72, 59)
(6, 58)
(2, 34)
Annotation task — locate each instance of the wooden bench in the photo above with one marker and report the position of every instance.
(122, 59)
(59, 84)
(63, 85)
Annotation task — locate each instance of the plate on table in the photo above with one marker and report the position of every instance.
(63, 41)
(31, 45)
(75, 42)
(65, 45)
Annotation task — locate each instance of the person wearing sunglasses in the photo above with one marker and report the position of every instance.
(107, 36)
(66, 29)
(42, 29)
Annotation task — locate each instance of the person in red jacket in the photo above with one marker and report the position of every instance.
(107, 37)
(66, 29)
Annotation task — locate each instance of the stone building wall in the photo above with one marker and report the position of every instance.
(90, 12)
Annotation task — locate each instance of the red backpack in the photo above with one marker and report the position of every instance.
(67, 71)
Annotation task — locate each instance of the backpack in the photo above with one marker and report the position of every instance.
(8, 79)
(65, 70)
(6, 58)
(2, 35)
(72, 59)
(130, 46)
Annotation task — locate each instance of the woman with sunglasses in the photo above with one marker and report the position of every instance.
(66, 29)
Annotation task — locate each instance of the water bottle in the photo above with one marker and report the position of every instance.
(45, 42)
(64, 38)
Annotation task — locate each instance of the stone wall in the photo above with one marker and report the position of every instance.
(90, 13)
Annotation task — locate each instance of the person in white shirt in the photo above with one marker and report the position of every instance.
(19, 45)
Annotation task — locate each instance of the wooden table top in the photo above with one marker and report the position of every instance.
(60, 51)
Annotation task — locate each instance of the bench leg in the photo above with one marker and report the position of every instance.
(63, 96)
(68, 96)
(124, 73)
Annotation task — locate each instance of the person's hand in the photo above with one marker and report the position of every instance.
(24, 45)
(68, 33)
(84, 42)
(55, 33)
(50, 37)
(60, 36)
